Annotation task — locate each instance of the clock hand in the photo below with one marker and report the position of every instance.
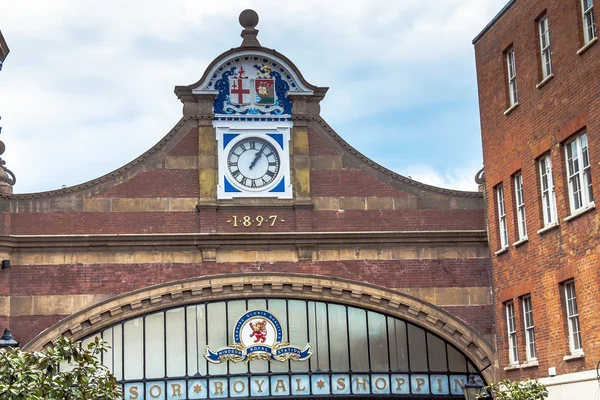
(256, 157)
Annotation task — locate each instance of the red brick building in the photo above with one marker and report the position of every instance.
(253, 207)
(539, 93)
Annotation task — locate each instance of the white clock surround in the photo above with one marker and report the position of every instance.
(230, 133)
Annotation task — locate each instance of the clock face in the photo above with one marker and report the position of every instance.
(253, 163)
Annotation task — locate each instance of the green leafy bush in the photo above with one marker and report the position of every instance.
(38, 376)
(529, 389)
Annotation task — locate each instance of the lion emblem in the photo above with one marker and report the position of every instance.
(259, 331)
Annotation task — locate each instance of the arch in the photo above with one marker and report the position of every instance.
(299, 286)
(239, 52)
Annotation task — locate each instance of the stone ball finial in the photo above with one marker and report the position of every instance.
(248, 19)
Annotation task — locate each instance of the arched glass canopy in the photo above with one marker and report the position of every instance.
(355, 352)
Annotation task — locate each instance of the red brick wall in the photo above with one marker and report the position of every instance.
(401, 220)
(158, 183)
(188, 146)
(55, 223)
(349, 183)
(121, 278)
(545, 118)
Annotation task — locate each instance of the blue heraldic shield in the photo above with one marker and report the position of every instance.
(258, 335)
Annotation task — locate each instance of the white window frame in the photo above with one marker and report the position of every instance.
(511, 330)
(529, 329)
(512, 76)
(547, 191)
(501, 217)
(520, 203)
(589, 25)
(545, 47)
(575, 345)
(579, 175)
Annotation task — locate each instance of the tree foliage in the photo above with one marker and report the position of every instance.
(38, 375)
(529, 389)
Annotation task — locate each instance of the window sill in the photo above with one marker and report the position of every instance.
(529, 364)
(520, 241)
(544, 81)
(512, 367)
(511, 108)
(587, 46)
(581, 211)
(574, 356)
(548, 228)
(502, 250)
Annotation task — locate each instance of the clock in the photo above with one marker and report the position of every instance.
(253, 158)
(253, 163)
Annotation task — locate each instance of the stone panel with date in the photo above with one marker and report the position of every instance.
(245, 219)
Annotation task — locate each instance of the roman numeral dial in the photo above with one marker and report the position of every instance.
(253, 163)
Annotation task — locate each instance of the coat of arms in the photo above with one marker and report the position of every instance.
(258, 335)
(259, 91)
(239, 88)
(265, 91)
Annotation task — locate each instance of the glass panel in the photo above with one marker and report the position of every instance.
(191, 340)
(417, 348)
(175, 342)
(217, 334)
(87, 341)
(279, 308)
(298, 330)
(202, 338)
(436, 349)
(155, 345)
(107, 358)
(472, 368)
(317, 318)
(118, 351)
(378, 342)
(235, 309)
(134, 346)
(357, 330)
(398, 347)
(456, 361)
(338, 338)
(258, 365)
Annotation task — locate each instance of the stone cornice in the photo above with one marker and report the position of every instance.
(272, 285)
(193, 240)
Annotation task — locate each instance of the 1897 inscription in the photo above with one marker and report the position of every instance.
(259, 220)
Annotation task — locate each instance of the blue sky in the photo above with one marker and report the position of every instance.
(88, 85)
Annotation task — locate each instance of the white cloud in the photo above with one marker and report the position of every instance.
(88, 86)
(458, 178)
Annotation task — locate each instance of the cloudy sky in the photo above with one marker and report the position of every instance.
(88, 85)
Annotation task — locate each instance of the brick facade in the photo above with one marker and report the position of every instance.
(550, 112)
(158, 220)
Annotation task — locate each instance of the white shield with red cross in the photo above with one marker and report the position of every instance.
(239, 91)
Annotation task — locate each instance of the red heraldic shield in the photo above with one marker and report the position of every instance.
(265, 91)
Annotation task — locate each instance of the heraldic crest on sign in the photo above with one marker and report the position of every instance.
(252, 86)
(258, 335)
